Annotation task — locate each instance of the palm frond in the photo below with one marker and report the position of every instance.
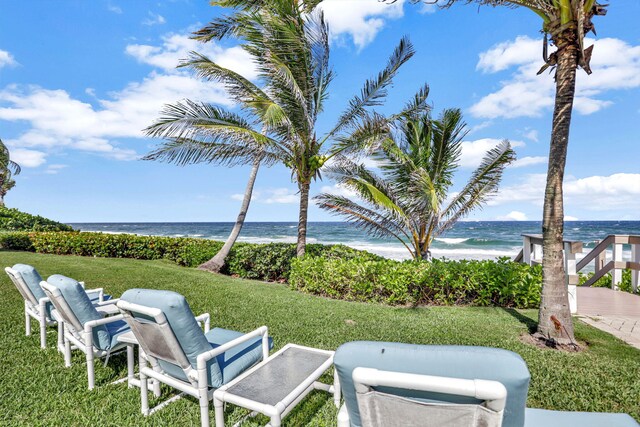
(482, 184)
(374, 90)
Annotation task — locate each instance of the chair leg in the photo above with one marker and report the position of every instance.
(219, 408)
(27, 322)
(204, 407)
(67, 353)
(130, 365)
(60, 336)
(90, 368)
(144, 397)
(43, 330)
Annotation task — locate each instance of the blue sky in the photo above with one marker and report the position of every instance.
(79, 80)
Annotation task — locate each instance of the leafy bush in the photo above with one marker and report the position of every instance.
(606, 280)
(252, 261)
(15, 220)
(502, 283)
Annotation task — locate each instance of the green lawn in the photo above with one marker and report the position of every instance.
(36, 389)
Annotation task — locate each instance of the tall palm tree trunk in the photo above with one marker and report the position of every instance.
(554, 321)
(215, 264)
(302, 219)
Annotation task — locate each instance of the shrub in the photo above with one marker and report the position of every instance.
(501, 283)
(270, 262)
(15, 220)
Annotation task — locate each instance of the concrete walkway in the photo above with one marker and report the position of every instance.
(615, 312)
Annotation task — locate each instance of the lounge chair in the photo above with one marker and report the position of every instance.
(180, 353)
(455, 363)
(84, 326)
(37, 305)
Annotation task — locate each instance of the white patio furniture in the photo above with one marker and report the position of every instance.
(277, 384)
(180, 353)
(85, 328)
(37, 305)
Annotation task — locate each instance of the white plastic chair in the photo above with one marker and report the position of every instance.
(37, 308)
(80, 333)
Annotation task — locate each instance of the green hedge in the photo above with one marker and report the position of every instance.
(15, 220)
(270, 262)
(333, 271)
(501, 283)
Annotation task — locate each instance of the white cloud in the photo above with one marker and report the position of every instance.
(474, 151)
(615, 64)
(513, 216)
(271, 196)
(6, 59)
(114, 8)
(528, 161)
(57, 120)
(154, 19)
(618, 193)
(339, 190)
(359, 19)
(531, 134)
(570, 218)
(28, 158)
(176, 47)
(54, 169)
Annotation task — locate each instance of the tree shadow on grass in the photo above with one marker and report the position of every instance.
(531, 324)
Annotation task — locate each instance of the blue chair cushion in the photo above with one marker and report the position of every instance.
(82, 307)
(32, 278)
(116, 329)
(236, 360)
(191, 338)
(546, 418)
(449, 361)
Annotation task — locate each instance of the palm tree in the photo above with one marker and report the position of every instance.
(289, 44)
(194, 144)
(8, 168)
(411, 201)
(565, 22)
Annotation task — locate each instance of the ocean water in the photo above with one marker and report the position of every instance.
(467, 240)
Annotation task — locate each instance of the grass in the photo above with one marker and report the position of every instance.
(36, 389)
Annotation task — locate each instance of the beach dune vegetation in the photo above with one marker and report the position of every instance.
(412, 199)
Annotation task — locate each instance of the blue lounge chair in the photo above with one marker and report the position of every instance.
(180, 353)
(84, 326)
(37, 305)
(455, 363)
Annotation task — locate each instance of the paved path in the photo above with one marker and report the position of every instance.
(615, 312)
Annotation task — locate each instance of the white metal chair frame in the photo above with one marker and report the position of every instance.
(162, 344)
(81, 337)
(36, 308)
(493, 393)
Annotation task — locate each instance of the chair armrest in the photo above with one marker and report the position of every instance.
(206, 320)
(93, 323)
(42, 304)
(99, 291)
(107, 302)
(203, 358)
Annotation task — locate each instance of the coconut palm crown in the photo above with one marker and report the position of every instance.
(412, 200)
(288, 42)
(8, 168)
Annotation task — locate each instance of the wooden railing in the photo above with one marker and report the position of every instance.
(616, 265)
(531, 254)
